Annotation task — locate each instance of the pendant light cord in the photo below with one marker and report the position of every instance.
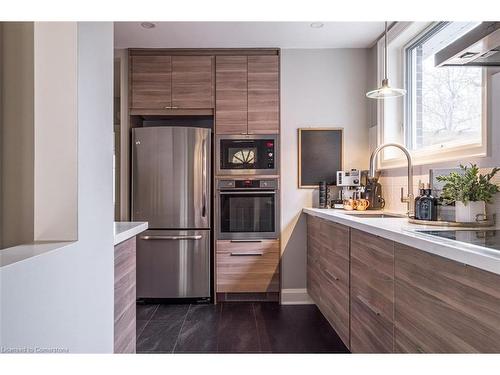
(385, 52)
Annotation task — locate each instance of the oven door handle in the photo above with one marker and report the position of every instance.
(245, 192)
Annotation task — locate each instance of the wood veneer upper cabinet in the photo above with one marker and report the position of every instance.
(192, 82)
(443, 306)
(372, 293)
(150, 82)
(263, 94)
(231, 94)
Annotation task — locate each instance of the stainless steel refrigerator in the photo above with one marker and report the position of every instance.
(171, 191)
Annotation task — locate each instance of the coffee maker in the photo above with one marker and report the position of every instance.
(373, 193)
(350, 184)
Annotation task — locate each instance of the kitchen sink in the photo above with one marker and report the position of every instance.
(374, 215)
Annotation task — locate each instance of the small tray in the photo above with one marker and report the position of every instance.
(440, 223)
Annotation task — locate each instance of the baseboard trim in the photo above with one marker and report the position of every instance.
(295, 297)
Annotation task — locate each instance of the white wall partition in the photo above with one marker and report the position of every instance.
(62, 300)
(55, 131)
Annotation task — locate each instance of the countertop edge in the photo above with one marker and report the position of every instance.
(125, 230)
(476, 256)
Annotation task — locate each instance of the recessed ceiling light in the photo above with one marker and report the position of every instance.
(148, 25)
(317, 25)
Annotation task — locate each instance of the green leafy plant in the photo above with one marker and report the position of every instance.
(469, 186)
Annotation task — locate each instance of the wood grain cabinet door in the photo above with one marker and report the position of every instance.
(248, 267)
(334, 265)
(231, 94)
(372, 293)
(125, 297)
(314, 278)
(150, 82)
(192, 82)
(263, 94)
(443, 306)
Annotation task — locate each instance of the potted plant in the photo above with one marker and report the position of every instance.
(470, 191)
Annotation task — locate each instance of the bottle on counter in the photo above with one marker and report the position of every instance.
(426, 205)
(323, 195)
(417, 198)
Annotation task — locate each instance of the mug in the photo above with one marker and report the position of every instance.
(362, 204)
(350, 204)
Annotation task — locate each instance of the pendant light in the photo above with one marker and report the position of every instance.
(385, 91)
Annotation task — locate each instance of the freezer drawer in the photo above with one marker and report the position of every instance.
(173, 264)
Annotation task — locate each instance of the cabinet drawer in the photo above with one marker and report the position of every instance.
(443, 306)
(371, 331)
(248, 266)
(334, 297)
(372, 293)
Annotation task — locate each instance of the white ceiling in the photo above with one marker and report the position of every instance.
(247, 35)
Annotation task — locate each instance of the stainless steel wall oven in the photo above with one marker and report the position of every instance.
(247, 209)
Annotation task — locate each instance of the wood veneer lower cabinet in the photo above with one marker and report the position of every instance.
(125, 297)
(443, 306)
(248, 267)
(314, 279)
(372, 293)
(328, 272)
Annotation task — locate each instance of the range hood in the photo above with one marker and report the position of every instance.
(478, 47)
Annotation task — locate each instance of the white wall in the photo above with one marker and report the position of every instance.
(16, 133)
(319, 88)
(55, 116)
(64, 299)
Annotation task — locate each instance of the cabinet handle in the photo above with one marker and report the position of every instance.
(174, 107)
(246, 254)
(367, 304)
(246, 241)
(168, 107)
(331, 275)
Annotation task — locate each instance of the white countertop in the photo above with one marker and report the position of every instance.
(399, 230)
(122, 232)
(25, 251)
(125, 230)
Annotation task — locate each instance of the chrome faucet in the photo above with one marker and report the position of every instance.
(409, 199)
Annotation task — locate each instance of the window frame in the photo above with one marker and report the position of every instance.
(436, 153)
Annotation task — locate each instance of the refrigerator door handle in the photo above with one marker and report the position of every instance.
(173, 238)
(204, 179)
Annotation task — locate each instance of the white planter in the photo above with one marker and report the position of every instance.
(469, 213)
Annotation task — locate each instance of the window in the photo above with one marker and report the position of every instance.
(444, 106)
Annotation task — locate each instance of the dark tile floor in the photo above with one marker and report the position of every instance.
(235, 328)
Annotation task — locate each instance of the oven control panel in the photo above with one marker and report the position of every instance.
(248, 184)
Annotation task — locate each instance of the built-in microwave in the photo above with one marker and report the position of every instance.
(247, 154)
